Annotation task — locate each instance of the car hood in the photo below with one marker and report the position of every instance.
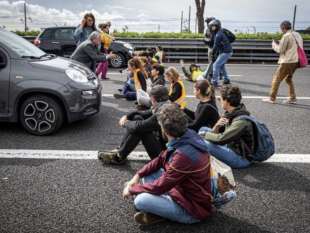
(60, 64)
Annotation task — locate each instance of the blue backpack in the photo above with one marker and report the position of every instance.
(264, 143)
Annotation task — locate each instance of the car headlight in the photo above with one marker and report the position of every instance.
(77, 76)
(128, 46)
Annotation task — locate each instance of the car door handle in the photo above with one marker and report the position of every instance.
(55, 42)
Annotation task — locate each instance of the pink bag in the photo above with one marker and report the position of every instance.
(302, 57)
(303, 60)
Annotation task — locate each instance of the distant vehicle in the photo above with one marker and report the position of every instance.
(60, 41)
(43, 91)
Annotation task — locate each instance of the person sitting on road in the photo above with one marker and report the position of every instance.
(158, 75)
(177, 92)
(206, 114)
(194, 71)
(177, 184)
(231, 140)
(88, 53)
(140, 126)
(138, 77)
(223, 47)
(87, 26)
(159, 55)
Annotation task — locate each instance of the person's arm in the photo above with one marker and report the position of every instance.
(145, 114)
(176, 92)
(189, 113)
(186, 73)
(217, 42)
(169, 179)
(232, 133)
(282, 46)
(77, 33)
(202, 117)
(142, 126)
(94, 54)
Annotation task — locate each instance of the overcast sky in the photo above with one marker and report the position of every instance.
(150, 15)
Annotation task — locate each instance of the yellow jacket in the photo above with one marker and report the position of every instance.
(106, 40)
(181, 100)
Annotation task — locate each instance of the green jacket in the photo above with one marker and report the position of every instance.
(238, 135)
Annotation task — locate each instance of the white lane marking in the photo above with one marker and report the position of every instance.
(243, 97)
(137, 155)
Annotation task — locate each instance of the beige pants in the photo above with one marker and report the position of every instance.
(285, 72)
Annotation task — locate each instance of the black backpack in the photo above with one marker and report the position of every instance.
(230, 36)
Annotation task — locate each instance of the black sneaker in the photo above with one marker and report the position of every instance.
(147, 219)
(111, 157)
(118, 96)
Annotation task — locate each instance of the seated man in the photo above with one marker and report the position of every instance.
(177, 184)
(140, 126)
(157, 75)
(231, 140)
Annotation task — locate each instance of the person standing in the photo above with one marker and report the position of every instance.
(88, 53)
(87, 26)
(288, 62)
(106, 40)
(223, 47)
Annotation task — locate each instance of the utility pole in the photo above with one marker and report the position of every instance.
(189, 19)
(25, 16)
(181, 21)
(294, 19)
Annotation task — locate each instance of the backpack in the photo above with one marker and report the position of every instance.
(264, 143)
(230, 36)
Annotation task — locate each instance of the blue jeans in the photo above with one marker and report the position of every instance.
(129, 92)
(219, 66)
(162, 205)
(225, 154)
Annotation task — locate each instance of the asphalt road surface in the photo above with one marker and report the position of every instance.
(60, 195)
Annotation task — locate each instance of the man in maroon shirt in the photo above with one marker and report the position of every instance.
(176, 185)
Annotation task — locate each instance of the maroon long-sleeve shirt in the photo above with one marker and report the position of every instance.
(186, 178)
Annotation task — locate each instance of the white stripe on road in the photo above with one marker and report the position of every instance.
(243, 97)
(137, 155)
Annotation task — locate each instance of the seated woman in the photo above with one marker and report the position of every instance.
(137, 77)
(177, 92)
(177, 184)
(206, 114)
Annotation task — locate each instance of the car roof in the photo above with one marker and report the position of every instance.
(63, 27)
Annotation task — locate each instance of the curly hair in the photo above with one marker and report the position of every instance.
(173, 120)
(232, 95)
(87, 15)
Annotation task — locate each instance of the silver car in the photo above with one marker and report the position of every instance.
(43, 91)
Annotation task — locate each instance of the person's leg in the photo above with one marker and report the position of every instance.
(164, 207)
(152, 146)
(223, 72)
(227, 156)
(129, 143)
(99, 69)
(289, 81)
(131, 95)
(186, 73)
(218, 66)
(104, 69)
(280, 74)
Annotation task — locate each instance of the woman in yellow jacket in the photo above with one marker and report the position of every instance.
(106, 40)
(177, 92)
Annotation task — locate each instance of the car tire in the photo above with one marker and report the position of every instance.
(41, 115)
(118, 61)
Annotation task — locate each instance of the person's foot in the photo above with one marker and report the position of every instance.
(226, 82)
(147, 219)
(111, 157)
(118, 96)
(290, 101)
(268, 100)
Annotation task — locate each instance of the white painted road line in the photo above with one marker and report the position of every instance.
(137, 155)
(243, 97)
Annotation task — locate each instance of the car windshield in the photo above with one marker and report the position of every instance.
(20, 46)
